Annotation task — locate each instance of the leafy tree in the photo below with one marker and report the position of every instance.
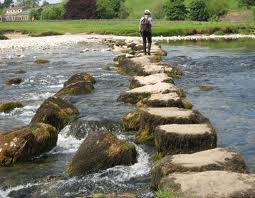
(247, 2)
(216, 8)
(53, 12)
(7, 3)
(80, 9)
(28, 3)
(158, 11)
(123, 12)
(105, 9)
(175, 10)
(35, 13)
(198, 10)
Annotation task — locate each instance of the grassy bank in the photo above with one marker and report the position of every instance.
(128, 27)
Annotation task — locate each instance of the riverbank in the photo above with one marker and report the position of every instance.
(128, 27)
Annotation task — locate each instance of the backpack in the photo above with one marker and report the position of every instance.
(145, 25)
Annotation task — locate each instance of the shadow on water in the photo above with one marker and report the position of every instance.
(44, 176)
(229, 67)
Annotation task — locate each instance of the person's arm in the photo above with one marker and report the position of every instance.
(140, 24)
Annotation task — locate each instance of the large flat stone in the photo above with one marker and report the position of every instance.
(185, 138)
(214, 159)
(153, 117)
(135, 95)
(139, 81)
(216, 184)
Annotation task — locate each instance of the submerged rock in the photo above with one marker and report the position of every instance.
(9, 106)
(135, 95)
(20, 72)
(14, 81)
(56, 112)
(41, 61)
(215, 159)
(217, 184)
(101, 151)
(205, 88)
(184, 138)
(84, 77)
(153, 117)
(23, 144)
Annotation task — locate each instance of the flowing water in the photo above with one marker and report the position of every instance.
(44, 176)
(229, 67)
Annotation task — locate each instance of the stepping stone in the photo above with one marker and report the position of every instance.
(214, 159)
(153, 117)
(216, 184)
(135, 95)
(139, 81)
(185, 138)
(163, 100)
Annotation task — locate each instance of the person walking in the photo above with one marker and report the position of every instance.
(145, 30)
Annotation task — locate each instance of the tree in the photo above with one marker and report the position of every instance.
(80, 9)
(175, 9)
(198, 10)
(105, 9)
(158, 11)
(28, 3)
(123, 12)
(247, 3)
(216, 8)
(53, 12)
(35, 13)
(7, 3)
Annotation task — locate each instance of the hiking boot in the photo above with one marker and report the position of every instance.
(144, 49)
(149, 48)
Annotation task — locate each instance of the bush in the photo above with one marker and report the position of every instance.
(35, 14)
(123, 12)
(175, 10)
(216, 8)
(158, 11)
(80, 9)
(198, 11)
(53, 12)
(246, 3)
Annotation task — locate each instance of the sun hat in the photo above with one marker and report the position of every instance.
(147, 12)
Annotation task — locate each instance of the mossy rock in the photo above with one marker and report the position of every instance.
(56, 112)
(205, 88)
(144, 136)
(14, 81)
(121, 71)
(100, 151)
(83, 77)
(131, 120)
(20, 72)
(187, 104)
(106, 68)
(23, 144)
(9, 106)
(41, 61)
(78, 88)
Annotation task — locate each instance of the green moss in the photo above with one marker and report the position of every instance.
(157, 156)
(186, 104)
(106, 68)
(14, 81)
(68, 170)
(167, 194)
(98, 195)
(143, 137)
(205, 88)
(20, 72)
(9, 106)
(120, 72)
(41, 61)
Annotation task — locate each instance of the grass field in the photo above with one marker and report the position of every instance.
(127, 27)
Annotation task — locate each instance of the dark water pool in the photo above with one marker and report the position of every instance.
(229, 67)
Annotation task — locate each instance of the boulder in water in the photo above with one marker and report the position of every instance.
(23, 144)
(9, 106)
(41, 61)
(14, 81)
(101, 151)
(56, 112)
(205, 88)
(84, 76)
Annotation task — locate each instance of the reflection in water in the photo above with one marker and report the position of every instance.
(229, 68)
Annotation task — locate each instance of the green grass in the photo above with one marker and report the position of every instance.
(167, 194)
(127, 27)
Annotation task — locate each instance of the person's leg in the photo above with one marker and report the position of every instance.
(149, 43)
(144, 43)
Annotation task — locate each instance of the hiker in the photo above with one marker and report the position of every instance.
(145, 30)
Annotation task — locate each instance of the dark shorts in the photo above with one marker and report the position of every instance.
(146, 37)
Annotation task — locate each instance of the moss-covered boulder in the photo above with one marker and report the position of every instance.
(56, 112)
(14, 81)
(78, 88)
(214, 159)
(184, 138)
(205, 88)
(84, 77)
(153, 117)
(208, 184)
(20, 72)
(9, 106)
(41, 61)
(131, 120)
(23, 144)
(101, 151)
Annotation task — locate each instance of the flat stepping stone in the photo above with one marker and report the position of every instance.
(163, 100)
(139, 81)
(216, 184)
(214, 159)
(185, 138)
(135, 95)
(153, 117)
